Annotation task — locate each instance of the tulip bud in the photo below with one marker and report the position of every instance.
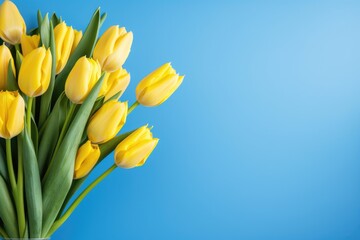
(77, 38)
(113, 48)
(5, 59)
(86, 158)
(115, 82)
(107, 121)
(82, 78)
(35, 72)
(12, 112)
(29, 43)
(135, 149)
(12, 25)
(158, 86)
(64, 39)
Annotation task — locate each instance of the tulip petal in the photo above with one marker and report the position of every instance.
(105, 45)
(15, 121)
(152, 78)
(112, 113)
(12, 25)
(120, 53)
(157, 93)
(29, 43)
(137, 155)
(87, 156)
(117, 82)
(77, 83)
(31, 76)
(5, 58)
(64, 38)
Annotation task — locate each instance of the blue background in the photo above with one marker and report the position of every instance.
(262, 140)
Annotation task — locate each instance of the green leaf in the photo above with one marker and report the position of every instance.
(50, 132)
(34, 134)
(102, 18)
(58, 179)
(33, 31)
(55, 20)
(39, 18)
(99, 102)
(11, 80)
(32, 187)
(46, 98)
(85, 47)
(3, 167)
(18, 61)
(45, 31)
(7, 210)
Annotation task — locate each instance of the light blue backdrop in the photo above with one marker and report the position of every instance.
(262, 140)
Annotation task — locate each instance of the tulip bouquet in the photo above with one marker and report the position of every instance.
(60, 116)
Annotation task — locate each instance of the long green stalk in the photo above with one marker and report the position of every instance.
(133, 106)
(28, 114)
(11, 168)
(78, 200)
(20, 188)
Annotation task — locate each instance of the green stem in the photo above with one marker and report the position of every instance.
(11, 168)
(20, 199)
(28, 114)
(133, 106)
(78, 200)
(3, 233)
(17, 47)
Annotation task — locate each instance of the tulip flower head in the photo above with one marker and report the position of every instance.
(5, 59)
(12, 25)
(35, 72)
(64, 39)
(113, 48)
(86, 158)
(115, 82)
(82, 78)
(29, 43)
(158, 86)
(12, 113)
(77, 38)
(107, 121)
(134, 150)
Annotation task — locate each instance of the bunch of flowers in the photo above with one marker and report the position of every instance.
(60, 116)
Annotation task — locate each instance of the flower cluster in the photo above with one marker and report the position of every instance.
(59, 98)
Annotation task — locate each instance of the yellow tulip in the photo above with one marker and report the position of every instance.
(113, 48)
(12, 112)
(86, 158)
(35, 72)
(82, 78)
(77, 38)
(115, 82)
(29, 43)
(64, 39)
(107, 121)
(135, 149)
(5, 59)
(12, 25)
(158, 86)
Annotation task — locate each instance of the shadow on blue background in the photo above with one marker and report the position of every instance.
(262, 139)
